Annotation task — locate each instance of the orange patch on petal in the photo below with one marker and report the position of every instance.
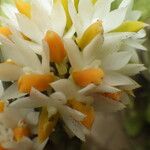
(5, 31)
(23, 7)
(2, 106)
(56, 47)
(87, 76)
(46, 125)
(86, 110)
(115, 96)
(20, 132)
(1, 148)
(38, 81)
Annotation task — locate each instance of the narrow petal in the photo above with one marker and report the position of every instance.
(65, 86)
(58, 19)
(74, 54)
(102, 8)
(45, 58)
(74, 127)
(116, 18)
(85, 11)
(29, 28)
(12, 92)
(103, 104)
(75, 18)
(132, 69)
(116, 61)
(117, 79)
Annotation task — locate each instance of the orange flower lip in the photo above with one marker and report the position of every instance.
(85, 109)
(87, 76)
(56, 47)
(2, 105)
(38, 81)
(20, 132)
(46, 125)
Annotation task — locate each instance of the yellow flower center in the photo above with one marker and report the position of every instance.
(56, 47)
(38, 81)
(5, 31)
(23, 7)
(91, 32)
(87, 76)
(87, 110)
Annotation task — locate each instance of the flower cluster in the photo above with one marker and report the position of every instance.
(64, 60)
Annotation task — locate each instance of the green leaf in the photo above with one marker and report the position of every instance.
(148, 113)
(133, 124)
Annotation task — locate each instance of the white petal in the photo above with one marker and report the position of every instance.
(78, 116)
(92, 50)
(10, 11)
(74, 126)
(105, 88)
(1, 88)
(87, 89)
(18, 114)
(33, 61)
(132, 69)
(29, 28)
(135, 44)
(140, 34)
(12, 92)
(85, 11)
(58, 19)
(104, 104)
(74, 54)
(45, 58)
(75, 18)
(38, 145)
(116, 61)
(65, 86)
(32, 118)
(10, 72)
(102, 8)
(117, 79)
(125, 99)
(114, 19)
(113, 42)
(135, 15)
(25, 144)
(70, 33)
(38, 9)
(59, 97)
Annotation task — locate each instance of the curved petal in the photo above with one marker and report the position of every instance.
(10, 72)
(12, 92)
(116, 61)
(29, 28)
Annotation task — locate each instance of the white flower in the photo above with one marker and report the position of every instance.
(122, 31)
(116, 67)
(55, 103)
(22, 63)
